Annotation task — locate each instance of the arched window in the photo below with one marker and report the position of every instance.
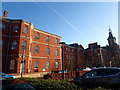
(57, 52)
(15, 28)
(37, 49)
(25, 29)
(14, 45)
(2, 26)
(12, 64)
(57, 64)
(36, 65)
(47, 51)
(37, 35)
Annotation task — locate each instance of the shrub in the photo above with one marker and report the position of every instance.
(43, 83)
(56, 84)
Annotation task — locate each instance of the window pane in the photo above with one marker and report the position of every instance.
(1, 44)
(14, 45)
(47, 65)
(47, 39)
(12, 64)
(111, 72)
(15, 28)
(25, 29)
(36, 64)
(57, 64)
(2, 26)
(37, 49)
(57, 52)
(37, 35)
(56, 41)
(48, 51)
(24, 44)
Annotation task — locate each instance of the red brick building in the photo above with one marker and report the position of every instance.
(28, 49)
(106, 56)
(72, 56)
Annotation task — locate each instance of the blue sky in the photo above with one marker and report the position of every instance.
(75, 22)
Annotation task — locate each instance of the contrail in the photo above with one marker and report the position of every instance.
(54, 10)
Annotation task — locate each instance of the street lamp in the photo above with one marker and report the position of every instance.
(23, 61)
(110, 64)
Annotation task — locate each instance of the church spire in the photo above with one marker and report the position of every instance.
(111, 39)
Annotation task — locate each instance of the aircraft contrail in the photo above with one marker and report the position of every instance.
(54, 10)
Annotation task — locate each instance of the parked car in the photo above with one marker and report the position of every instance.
(104, 77)
(4, 76)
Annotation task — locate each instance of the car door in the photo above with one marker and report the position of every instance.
(109, 77)
(93, 78)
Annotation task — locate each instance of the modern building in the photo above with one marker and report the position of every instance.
(26, 49)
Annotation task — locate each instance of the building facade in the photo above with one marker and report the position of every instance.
(27, 49)
(106, 56)
(72, 56)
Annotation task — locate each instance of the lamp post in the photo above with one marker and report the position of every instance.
(23, 61)
(101, 58)
(110, 64)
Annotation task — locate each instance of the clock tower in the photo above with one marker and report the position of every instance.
(111, 39)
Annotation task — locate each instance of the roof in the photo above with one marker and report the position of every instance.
(4, 18)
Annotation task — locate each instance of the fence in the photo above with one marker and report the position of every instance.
(66, 75)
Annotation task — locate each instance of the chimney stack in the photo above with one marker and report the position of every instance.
(5, 14)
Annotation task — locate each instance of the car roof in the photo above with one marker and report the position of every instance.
(106, 68)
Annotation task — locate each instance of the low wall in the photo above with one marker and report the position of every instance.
(31, 75)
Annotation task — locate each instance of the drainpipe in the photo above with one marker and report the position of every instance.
(7, 53)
